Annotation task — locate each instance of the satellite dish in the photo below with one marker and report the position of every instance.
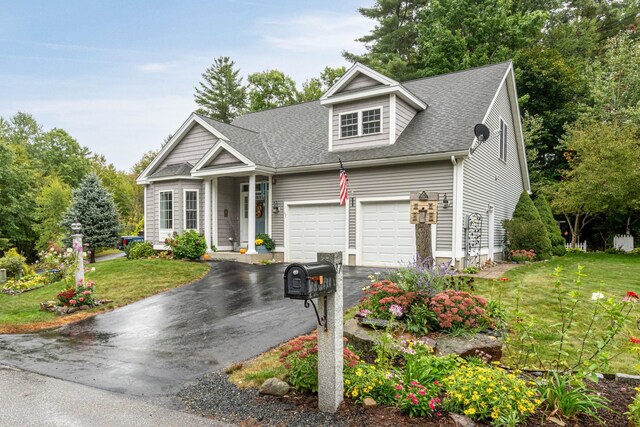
(481, 131)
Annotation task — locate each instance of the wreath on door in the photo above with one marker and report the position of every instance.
(259, 209)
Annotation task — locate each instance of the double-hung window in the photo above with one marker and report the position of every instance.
(191, 209)
(503, 140)
(166, 210)
(363, 122)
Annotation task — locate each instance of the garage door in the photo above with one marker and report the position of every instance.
(313, 229)
(388, 238)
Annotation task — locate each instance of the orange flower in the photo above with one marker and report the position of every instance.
(505, 279)
(634, 340)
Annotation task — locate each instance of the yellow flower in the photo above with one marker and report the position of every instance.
(354, 393)
(470, 411)
(347, 382)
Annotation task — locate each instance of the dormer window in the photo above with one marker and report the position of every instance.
(363, 122)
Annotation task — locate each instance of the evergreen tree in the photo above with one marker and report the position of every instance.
(94, 208)
(555, 235)
(526, 231)
(525, 209)
(221, 94)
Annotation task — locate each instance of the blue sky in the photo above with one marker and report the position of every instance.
(119, 75)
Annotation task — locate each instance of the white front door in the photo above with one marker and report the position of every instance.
(314, 228)
(387, 239)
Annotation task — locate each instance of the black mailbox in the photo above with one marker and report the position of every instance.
(310, 280)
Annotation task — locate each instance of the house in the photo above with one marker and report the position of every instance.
(277, 171)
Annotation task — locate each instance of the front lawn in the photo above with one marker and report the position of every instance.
(121, 280)
(612, 275)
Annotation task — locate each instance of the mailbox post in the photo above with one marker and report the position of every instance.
(323, 280)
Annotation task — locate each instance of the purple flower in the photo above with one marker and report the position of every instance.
(396, 310)
(364, 312)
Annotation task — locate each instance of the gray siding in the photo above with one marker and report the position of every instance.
(153, 201)
(368, 182)
(404, 114)
(361, 141)
(489, 180)
(224, 158)
(360, 81)
(191, 148)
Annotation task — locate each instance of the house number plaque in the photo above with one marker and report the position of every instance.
(423, 208)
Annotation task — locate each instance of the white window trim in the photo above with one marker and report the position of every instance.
(184, 209)
(359, 112)
(160, 229)
(502, 153)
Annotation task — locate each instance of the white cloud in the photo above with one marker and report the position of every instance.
(154, 67)
(314, 32)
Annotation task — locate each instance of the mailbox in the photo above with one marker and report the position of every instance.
(310, 280)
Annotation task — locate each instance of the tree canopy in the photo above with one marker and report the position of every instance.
(221, 94)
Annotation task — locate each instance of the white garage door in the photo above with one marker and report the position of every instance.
(313, 229)
(388, 239)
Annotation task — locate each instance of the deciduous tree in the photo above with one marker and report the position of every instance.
(270, 89)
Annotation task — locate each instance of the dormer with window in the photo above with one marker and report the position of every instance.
(367, 109)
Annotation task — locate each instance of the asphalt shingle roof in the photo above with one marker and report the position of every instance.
(297, 135)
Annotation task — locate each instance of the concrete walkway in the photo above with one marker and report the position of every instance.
(35, 400)
(497, 271)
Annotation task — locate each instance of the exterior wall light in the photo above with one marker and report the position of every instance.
(445, 202)
(275, 209)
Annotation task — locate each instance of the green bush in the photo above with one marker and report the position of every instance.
(525, 209)
(555, 235)
(139, 250)
(13, 262)
(188, 245)
(569, 397)
(528, 235)
(268, 243)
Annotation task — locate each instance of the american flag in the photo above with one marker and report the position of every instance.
(344, 196)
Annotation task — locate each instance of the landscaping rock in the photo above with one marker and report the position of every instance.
(360, 337)
(376, 324)
(462, 421)
(628, 379)
(84, 307)
(72, 310)
(369, 402)
(470, 347)
(274, 387)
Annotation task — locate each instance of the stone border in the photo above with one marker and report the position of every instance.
(62, 310)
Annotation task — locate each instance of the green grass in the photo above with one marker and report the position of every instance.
(613, 275)
(121, 280)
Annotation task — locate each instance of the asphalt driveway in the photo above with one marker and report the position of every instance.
(153, 347)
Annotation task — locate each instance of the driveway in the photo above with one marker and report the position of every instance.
(153, 347)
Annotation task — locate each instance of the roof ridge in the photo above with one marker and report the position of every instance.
(278, 107)
(225, 124)
(458, 71)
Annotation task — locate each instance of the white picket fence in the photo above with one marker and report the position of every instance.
(623, 241)
(582, 246)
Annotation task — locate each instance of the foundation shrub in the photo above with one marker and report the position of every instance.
(139, 250)
(188, 245)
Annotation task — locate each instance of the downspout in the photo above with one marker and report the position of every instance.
(454, 225)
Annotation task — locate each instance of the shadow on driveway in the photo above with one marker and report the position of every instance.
(153, 347)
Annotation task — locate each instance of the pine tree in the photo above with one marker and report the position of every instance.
(525, 209)
(555, 235)
(94, 208)
(221, 94)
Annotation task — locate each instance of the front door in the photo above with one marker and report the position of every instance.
(262, 204)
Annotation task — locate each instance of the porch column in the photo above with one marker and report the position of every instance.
(214, 211)
(251, 232)
(207, 213)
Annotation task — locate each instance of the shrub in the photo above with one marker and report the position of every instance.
(27, 283)
(266, 241)
(365, 380)
(525, 209)
(418, 400)
(188, 245)
(13, 262)
(419, 317)
(553, 230)
(522, 255)
(574, 250)
(300, 357)
(81, 294)
(57, 263)
(567, 396)
(528, 235)
(490, 394)
(614, 251)
(459, 310)
(139, 250)
(380, 296)
(424, 367)
(634, 409)
(422, 276)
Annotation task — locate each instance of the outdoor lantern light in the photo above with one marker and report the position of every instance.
(445, 202)
(276, 208)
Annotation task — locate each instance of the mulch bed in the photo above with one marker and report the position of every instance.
(215, 397)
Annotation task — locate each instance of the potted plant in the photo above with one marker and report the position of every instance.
(264, 244)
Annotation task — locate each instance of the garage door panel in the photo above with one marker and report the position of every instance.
(388, 238)
(315, 228)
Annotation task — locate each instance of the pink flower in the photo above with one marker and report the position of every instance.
(432, 404)
(436, 383)
(72, 302)
(413, 383)
(399, 387)
(422, 392)
(81, 299)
